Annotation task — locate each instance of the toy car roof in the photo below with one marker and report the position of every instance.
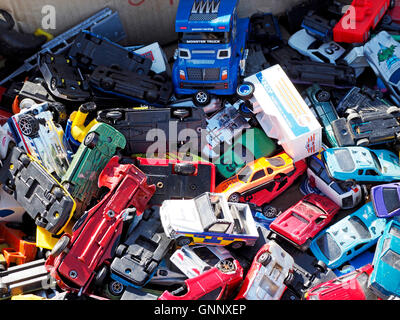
(195, 15)
(352, 158)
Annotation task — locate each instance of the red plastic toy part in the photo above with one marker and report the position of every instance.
(352, 286)
(359, 20)
(217, 283)
(300, 223)
(17, 251)
(76, 259)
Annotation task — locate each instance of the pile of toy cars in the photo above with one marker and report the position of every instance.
(261, 162)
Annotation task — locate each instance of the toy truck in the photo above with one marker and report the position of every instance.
(211, 48)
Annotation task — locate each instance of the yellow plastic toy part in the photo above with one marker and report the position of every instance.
(47, 240)
(27, 297)
(78, 129)
(41, 32)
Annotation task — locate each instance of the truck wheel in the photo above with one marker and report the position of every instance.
(201, 98)
(151, 96)
(181, 113)
(323, 96)
(101, 276)
(116, 288)
(363, 142)
(264, 259)
(289, 279)
(321, 266)
(60, 246)
(353, 116)
(393, 110)
(121, 249)
(245, 90)
(29, 125)
(58, 193)
(183, 241)
(151, 267)
(235, 197)
(245, 111)
(107, 83)
(226, 266)
(349, 183)
(237, 245)
(270, 212)
(91, 140)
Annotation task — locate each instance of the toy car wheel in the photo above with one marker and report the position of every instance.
(392, 4)
(25, 160)
(88, 107)
(323, 96)
(237, 245)
(270, 212)
(151, 267)
(107, 83)
(353, 116)
(8, 189)
(41, 222)
(349, 183)
(91, 140)
(100, 276)
(245, 111)
(61, 246)
(29, 125)
(393, 110)
(305, 245)
(349, 111)
(235, 197)
(264, 259)
(181, 113)
(201, 98)
(3, 289)
(151, 96)
(226, 266)
(289, 279)
(59, 112)
(121, 249)
(245, 90)
(114, 115)
(321, 266)
(159, 78)
(58, 193)
(116, 288)
(183, 241)
(2, 267)
(363, 142)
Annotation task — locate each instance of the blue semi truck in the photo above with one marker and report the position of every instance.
(212, 48)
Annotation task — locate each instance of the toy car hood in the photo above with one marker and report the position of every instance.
(389, 162)
(180, 215)
(230, 183)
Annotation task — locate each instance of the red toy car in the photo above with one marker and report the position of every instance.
(351, 286)
(359, 20)
(14, 245)
(300, 223)
(76, 259)
(217, 283)
(395, 12)
(276, 187)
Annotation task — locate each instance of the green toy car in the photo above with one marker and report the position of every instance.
(234, 158)
(99, 146)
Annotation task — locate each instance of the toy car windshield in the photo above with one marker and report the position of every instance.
(391, 199)
(210, 207)
(244, 174)
(329, 247)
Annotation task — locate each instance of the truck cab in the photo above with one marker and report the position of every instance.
(211, 51)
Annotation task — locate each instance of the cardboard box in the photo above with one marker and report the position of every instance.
(284, 115)
(145, 21)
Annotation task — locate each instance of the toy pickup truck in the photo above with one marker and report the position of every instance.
(209, 219)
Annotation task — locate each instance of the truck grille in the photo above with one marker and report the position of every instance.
(200, 74)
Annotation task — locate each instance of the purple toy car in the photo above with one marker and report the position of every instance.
(386, 200)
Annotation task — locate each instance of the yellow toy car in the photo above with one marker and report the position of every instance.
(256, 176)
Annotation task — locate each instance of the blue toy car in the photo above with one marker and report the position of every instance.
(386, 200)
(348, 237)
(385, 279)
(356, 263)
(211, 49)
(361, 164)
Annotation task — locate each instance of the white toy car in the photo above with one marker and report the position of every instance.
(194, 260)
(269, 275)
(346, 198)
(6, 137)
(209, 219)
(307, 45)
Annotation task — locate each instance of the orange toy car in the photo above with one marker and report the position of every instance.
(14, 247)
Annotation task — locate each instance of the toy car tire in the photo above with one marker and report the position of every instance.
(270, 211)
(273, 236)
(2, 268)
(289, 279)
(305, 245)
(151, 96)
(349, 111)
(362, 142)
(234, 197)
(264, 259)
(181, 113)
(159, 78)
(321, 266)
(107, 83)
(8, 189)
(393, 110)
(392, 4)
(59, 112)
(29, 125)
(101, 276)
(25, 160)
(201, 98)
(61, 246)
(115, 288)
(245, 111)
(121, 249)
(91, 140)
(58, 193)
(183, 241)
(323, 96)
(236, 245)
(245, 91)
(88, 107)
(226, 266)
(40, 222)
(348, 183)
(353, 116)
(151, 267)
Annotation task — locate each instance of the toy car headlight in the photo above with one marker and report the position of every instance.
(224, 54)
(182, 75)
(184, 54)
(224, 75)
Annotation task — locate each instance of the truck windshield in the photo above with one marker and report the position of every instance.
(204, 37)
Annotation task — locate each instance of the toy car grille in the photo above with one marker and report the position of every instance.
(203, 17)
(200, 74)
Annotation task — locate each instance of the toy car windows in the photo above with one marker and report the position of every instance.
(376, 160)
(371, 172)
(300, 218)
(245, 174)
(394, 231)
(315, 165)
(324, 176)
(335, 186)
(360, 227)
(206, 255)
(219, 227)
(277, 162)
(344, 160)
(360, 172)
(392, 259)
(329, 247)
(258, 175)
(270, 186)
(391, 199)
